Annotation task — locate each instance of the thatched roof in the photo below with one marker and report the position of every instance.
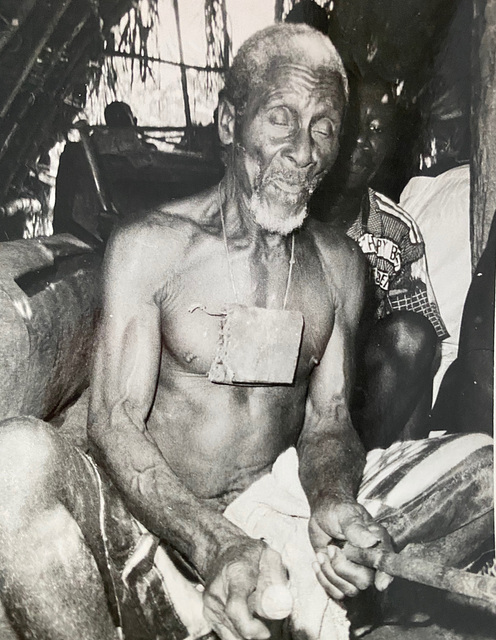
(49, 51)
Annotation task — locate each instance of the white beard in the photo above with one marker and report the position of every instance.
(269, 219)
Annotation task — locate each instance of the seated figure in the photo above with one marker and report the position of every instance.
(401, 327)
(86, 200)
(219, 428)
(121, 135)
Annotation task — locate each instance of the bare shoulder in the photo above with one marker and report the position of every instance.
(169, 229)
(345, 268)
(146, 250)
(199, 210)
(342, 258)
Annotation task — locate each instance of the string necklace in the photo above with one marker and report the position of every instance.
(229, 263)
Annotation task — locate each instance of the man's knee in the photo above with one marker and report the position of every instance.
(407, 337)
(26, 443)
(28, 462)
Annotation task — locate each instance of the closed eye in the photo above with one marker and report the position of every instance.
(281, 117)
(323, 128)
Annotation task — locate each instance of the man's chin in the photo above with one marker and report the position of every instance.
(282, 220)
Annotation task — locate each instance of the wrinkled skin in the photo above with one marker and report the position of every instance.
(179, 448)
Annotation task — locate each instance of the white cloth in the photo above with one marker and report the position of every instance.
(275, 508)
(441, 208)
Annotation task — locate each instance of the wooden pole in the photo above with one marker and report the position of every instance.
(426, 572)
(22, 107)
(226, 62)
(278, 10)
(27, 139)
(184, 80)
(483, 125)
(14, 21)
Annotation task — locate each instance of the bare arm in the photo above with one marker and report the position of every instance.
(331, 455)
(123, 387)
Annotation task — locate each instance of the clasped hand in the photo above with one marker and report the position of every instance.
(242, 573)
(337, 523)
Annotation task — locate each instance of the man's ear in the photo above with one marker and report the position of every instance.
(227, 119)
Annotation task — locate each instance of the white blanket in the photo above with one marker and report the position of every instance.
(275, 508)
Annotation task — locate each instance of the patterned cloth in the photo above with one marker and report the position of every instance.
(393, 245)
(423, 491)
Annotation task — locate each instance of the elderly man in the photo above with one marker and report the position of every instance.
(226, 341)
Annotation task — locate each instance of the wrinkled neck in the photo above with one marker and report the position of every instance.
(239, 222)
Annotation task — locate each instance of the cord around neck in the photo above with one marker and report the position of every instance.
(229, 262)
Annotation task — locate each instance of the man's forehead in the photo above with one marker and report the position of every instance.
(284, 76)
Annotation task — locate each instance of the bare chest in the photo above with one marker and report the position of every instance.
(193, 311)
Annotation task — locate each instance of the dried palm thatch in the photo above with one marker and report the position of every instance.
(282, 8)
(182, 77)
(218, 40)
(136, 28)
(50, 52)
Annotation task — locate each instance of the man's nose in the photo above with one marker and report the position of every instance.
(301, 151)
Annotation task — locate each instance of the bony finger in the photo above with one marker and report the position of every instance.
(212, 607)
(326, 576)
(331, 551)
(335, 577)
(242, 620)
(237, 610)
(318, 537)
(213, 611)
(350, 578)
(382, 580)
(386, 540)
(352, 567)
(357, 575)
(272, 598)
(224, 633)
(332, 591)
(271, 569)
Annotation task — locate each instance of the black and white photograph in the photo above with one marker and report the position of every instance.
(247, 316)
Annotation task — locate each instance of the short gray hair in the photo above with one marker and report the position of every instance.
(288, 43)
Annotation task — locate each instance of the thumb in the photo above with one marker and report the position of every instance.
(358, 532)
(272, 598)
(319, 538)
(382, 580)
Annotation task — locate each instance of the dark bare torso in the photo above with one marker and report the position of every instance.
(219, 438)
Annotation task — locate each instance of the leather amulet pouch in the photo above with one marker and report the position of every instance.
(257, 346)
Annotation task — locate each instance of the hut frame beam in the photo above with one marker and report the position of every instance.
(50, 28)
(17, 21)
(483, 125)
